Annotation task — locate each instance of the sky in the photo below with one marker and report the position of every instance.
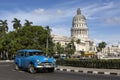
(103, 16)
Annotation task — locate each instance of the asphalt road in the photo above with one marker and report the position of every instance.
(7, 72)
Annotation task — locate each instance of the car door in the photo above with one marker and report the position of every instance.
(25, 60)
(18, 59)
(22, 59)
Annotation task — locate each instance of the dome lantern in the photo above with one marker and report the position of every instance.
(78, 11)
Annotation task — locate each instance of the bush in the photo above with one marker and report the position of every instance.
(91, 63)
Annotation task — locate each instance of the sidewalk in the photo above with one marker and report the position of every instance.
(89, 70)
(6, 60)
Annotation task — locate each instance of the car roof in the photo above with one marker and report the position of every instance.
(29, 50)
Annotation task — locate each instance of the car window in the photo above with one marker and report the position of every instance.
(35, 53)
(22, 54)
(27, 54)
(30, 53)
(18, 54)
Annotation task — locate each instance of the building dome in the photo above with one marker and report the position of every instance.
(79, 27)
(79, 15)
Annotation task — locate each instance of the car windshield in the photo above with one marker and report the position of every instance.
(35, 53)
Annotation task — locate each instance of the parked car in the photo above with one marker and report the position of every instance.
(33, 60)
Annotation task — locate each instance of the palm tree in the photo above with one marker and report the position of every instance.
(3, 26)
(16, 24)
(101, 46)
(3, 30)
(48, 30)
(59, 48)
(48, 33)
(70, 48)
(28, 23)
(78, 41)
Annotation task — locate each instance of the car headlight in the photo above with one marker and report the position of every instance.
(54, 60)
(38, 61)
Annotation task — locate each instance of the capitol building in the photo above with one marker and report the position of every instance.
(79, 32)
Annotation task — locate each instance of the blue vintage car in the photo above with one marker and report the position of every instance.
(33, 60)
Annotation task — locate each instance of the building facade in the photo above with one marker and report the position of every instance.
(79, 31)
(113, 50)
(63, 40)
(79, 34)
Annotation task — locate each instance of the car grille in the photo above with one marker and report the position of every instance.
(45, 64)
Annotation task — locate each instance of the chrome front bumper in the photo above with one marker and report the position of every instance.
(46, 65)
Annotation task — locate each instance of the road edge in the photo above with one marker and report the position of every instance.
(88, 72)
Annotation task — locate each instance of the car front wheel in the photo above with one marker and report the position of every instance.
(32, 69)
(51, 70)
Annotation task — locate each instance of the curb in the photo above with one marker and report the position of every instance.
(89, 72)
(6, 61)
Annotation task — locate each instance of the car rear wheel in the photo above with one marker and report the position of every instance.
(32, 69)
(17, 67)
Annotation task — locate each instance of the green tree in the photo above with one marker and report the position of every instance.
(4, 46)
(78, 41)
(70, 48)
(3, 40)
(3, 26)
(16, 24)
(27, 37)
(59, 48)
(48, 30)
(101, 46)
(27, 23)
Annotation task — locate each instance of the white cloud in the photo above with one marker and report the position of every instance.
(67, 3)
(62, 30)
(60, 12)
(109, 39)
(91, 10)
(37, 19)
(112, 20)
(96, 41)
(39, 11)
